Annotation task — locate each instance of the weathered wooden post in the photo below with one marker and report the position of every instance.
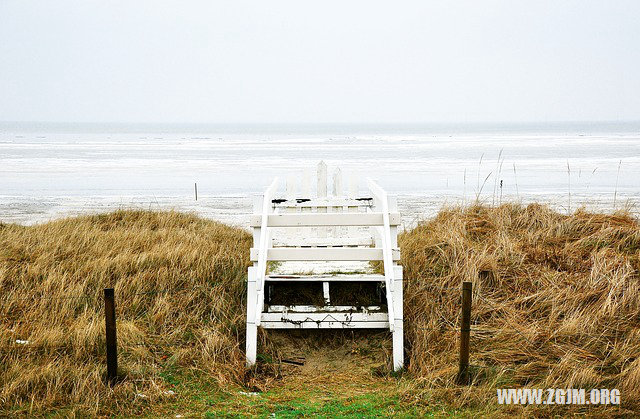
(195, 186)
(337, 182)
(252, 289)
(322, 180)
(321, 232)
(110, 328)
(465, 328)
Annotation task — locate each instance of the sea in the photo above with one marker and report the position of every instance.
(54, 170)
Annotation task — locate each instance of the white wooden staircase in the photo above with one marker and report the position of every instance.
(307, 232)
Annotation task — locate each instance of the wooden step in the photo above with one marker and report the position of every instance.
(324, 320)
(274, 308)
(332, 202)
(297, 241)
(282, 254)
(327, 278)
(325, 219)
(324, 325)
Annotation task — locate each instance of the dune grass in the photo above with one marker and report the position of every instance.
(179, 288)
(556, 304)
(556, 300)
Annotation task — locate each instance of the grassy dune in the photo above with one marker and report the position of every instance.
(556, 304)
(198, 326)
(556, 300)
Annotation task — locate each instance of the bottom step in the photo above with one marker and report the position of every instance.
(273, 308)
(326, 320)
(325, 325)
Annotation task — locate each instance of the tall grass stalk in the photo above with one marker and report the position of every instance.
(615, 192)
(479, 167)
(496, 178)
(482, 187)
(464, 187)
(515, 175)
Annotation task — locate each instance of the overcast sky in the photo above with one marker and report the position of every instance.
(324, 61)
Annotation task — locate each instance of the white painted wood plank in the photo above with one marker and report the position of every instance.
(328, 202)
(265, 243)
(337, 182)
(315, 309)
(326, 325)
(330, 278)
(382, 201)
(325, 293)
(322, 232)
(329, 219)
(257, 210)
(353, 231)
(251, 345)
(300, 240)
(322, 180)
(398, 292)
(319, 316)
(282, 254)
(398, 345)
(398, 322)
(288, 238)
(393, 228)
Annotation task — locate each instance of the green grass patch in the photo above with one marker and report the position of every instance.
(270, 405)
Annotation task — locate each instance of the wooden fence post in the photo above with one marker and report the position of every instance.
(322, 180)
(110, 327)
(337, 182)
(465, 328)
(195, 186)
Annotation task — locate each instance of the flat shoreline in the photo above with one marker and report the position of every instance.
(49, 175)
(235, 210)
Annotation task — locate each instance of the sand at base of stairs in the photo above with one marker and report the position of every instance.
(348, 358)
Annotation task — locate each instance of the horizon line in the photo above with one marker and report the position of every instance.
(328, 123)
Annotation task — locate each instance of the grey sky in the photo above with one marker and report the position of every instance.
(329, 61)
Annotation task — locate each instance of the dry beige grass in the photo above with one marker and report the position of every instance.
(556, 305)
(199, 326)
(556, 299)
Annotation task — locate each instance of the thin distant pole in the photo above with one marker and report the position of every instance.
(195, 186)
